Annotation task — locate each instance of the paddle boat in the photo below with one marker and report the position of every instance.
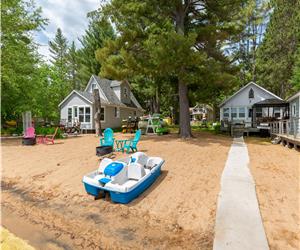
(124, 179)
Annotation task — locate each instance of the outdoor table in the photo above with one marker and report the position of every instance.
(120, 145)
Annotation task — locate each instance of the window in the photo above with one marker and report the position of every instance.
(233, 112)
(242, 113)
(69, 114)
(87, 114)
(81, 114)
(250, 111)
(93, 86)
(251, 94)
(277, 112)
(117, 112)
(258, 112)
(265, 112)
(75, 111)
(102, 116)
(125, 93)
(226, 112)
(294, 110)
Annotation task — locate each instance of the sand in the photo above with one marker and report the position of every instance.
(276, 171)
(10, 242)
(42, 185)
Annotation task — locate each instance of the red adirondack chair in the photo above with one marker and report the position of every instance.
(48, 138)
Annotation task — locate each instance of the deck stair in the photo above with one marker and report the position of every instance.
(237, 130)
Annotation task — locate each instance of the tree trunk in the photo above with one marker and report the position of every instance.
(97, 108)
(156, 101)
(184, 113)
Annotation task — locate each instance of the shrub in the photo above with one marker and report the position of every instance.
(48, 131)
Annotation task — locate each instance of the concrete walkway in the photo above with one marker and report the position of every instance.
(238, 221)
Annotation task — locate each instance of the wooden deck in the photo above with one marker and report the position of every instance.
(288, 140)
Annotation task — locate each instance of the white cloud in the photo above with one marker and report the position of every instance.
(69, 15)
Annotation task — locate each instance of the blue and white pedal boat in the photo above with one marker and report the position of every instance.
(125, 179)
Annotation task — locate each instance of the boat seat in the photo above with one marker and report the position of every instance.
(103, 164)
(113, 168)
(139, 157)
(104, 180)
(135, 171)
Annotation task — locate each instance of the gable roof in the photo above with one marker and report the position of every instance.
(83, 94)
(76, 92)
(106, 87)
(241, 89)
(293, 96)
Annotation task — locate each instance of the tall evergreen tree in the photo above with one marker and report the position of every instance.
(73, 64)
(168, 38)
(276, 55)
(97, 32)
(252, 19)
(60, 66)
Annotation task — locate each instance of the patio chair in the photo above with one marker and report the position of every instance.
(108, 139)
(29, 133)
(47, 138)
(132, 144)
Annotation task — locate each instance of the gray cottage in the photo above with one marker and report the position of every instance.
(117, 103)
(294, 103)
(252, 107)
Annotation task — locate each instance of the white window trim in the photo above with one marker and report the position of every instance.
(116, 115)
(294, 108)
(81, 106)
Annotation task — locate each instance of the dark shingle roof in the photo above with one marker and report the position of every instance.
(271, 103)
(109, 93)
(89, 96)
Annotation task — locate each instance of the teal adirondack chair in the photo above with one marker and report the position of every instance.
(132, 144)
(108, 139)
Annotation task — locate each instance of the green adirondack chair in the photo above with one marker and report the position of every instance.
(132, 144)
(108, 139)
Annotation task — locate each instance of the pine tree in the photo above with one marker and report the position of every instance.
(276, 55)
(60, 70)
(171, 38)
(73, 65)
(98, 31)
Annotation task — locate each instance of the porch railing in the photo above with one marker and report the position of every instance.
(290, 127)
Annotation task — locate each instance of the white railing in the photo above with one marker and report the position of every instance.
(289, 127)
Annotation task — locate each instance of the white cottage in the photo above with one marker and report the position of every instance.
(253, 106)
(117, 103)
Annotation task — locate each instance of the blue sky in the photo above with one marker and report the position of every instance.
(69, 15)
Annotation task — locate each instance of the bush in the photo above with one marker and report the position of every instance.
(48, 131)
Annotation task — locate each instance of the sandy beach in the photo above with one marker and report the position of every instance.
(276, 170)
(42, 185)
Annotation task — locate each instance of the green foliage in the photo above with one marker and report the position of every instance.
(178, 41)
(99, 30)
(19, 64)
(277, 54)
(296, 72)
(48, 131)
(59, 70)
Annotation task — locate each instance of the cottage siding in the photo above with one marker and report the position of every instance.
(125, 87)
(117, 91)
(89, 88)
(242, 100)
(294, 118)
(112, 122)
(73, 100)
